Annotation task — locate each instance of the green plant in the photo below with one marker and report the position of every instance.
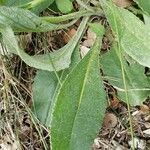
(73, 94)
(38, 6)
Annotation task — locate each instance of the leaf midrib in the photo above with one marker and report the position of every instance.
(81, 94)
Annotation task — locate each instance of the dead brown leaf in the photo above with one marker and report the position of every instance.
(83, 50)
(144, 109)
(110, 120)
(114, 103)
(123, 3)
(68, 35)
(91, 36)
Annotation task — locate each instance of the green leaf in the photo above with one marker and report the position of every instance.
(22, 20)
(35, 6)
(138, 84)
(44, 87)
(147, 20)
(65, 6)
(38, 6)
(144, 4)
(96, 27)
(55, 61)
(80, 105)
(14, 2)
(133, 34)
(49, 84)
(74, 15)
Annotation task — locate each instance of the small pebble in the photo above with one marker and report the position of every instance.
(147, 125)
(147, 132)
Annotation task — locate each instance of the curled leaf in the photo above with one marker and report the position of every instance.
(55, 61)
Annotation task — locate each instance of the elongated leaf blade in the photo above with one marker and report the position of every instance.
(14, 2)
(133, 34)
(80, 106)
(45, 87)
(56, 61)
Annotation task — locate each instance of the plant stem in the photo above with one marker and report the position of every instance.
(74, 15)
(119, 52)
